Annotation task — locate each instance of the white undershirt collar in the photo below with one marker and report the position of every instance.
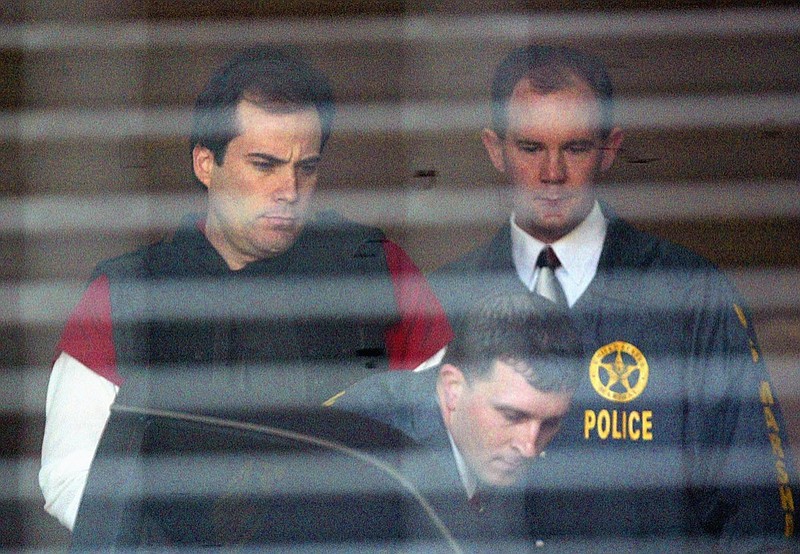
(467, 478)
(579, 252)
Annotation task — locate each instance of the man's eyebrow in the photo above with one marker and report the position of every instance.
(275, 160)
(511, 409)
(581, 142)
(267, 158)
(527, 141)
(311, 159)
(528, 144)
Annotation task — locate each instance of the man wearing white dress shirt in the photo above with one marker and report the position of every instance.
(676, 438)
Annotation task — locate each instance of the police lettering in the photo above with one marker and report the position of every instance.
(785, 491)
(618, 425)
(783, 475)
(777, 447)
(765, 392)
(769, 418)
(787, 500)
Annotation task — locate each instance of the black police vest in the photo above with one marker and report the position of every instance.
(294, 330)
(265, 345)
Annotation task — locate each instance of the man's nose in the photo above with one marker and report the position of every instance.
(286, 187)
(527, 439)
(553, 169)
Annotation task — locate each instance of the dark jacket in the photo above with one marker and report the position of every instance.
(407, 401)
(262, 345)
(675, 436)
(297, 328)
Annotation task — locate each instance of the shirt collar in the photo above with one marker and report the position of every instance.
(467, 478)
(579, 252)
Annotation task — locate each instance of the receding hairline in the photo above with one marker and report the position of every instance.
(584, 95)
(276, 104)
(276, 107)
(549, 70)
(571, 81)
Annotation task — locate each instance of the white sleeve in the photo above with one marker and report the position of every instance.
(433, 361)
(77, 409)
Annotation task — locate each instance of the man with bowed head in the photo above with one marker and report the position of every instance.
(257, 304)
(480, 419)
(677, 436)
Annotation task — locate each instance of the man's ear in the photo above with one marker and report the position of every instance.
(610, 148)
(451, 386)
(494, 146)
(203, 164)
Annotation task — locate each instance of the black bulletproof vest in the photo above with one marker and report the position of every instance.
(265, 345)
(293, 330)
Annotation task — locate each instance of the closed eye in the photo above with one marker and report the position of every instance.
(579, 147)
(265, 163)
(530, 147)
(265, 166)
(309, 167)
(513, 416)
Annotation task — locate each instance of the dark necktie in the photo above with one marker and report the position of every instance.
(476, 502)
(546, 283)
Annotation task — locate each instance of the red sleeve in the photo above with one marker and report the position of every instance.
(423, 329)
(88, 335)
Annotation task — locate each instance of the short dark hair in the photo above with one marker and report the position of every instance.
(523, 330)
(266, 76)
(550, 69)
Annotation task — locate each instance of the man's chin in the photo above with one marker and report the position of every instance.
(503, 478)
(548, 231)
(277, 241)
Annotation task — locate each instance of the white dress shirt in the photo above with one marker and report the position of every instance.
(579, 253)
(78, 406)
(467, 478)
